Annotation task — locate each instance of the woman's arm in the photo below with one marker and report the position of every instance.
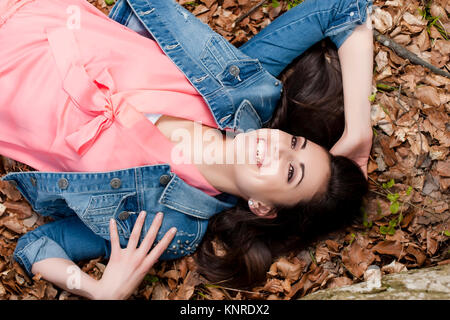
(124, 272)
(356, 58)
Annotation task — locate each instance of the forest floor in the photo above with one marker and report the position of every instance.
(405, 223)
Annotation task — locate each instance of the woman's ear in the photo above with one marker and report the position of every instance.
(261, 209)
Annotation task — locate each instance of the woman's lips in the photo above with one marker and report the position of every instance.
(260, 151)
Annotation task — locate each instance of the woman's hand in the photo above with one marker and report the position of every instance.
(356, 147)
(127, 267)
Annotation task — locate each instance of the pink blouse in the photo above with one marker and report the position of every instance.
(74, 93)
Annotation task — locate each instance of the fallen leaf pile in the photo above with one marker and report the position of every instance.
(406, 214)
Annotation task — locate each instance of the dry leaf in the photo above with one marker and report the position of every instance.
(382, 20)
(394, 267)
(428, 95)
(356, 259)
(186, 289)
(286, 269)
(10, 191)
(393, 248)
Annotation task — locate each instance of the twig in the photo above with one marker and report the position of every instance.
(232, 289)
(406, 54)
(249, 12)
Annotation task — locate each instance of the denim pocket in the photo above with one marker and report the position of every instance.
(237, 71)
(103, 207)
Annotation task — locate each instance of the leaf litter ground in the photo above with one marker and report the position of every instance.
(405, 218)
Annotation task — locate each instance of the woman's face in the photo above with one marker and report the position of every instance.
(279, 169)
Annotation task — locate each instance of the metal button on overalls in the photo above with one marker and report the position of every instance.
(234, 70)
(124, 215)
(63, 183)
(115, 183)
(164, 179)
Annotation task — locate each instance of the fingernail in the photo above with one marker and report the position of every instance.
(159, 214)
(142, 213)
(112, 221)
(173, 230)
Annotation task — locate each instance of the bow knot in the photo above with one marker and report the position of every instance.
(89, 98)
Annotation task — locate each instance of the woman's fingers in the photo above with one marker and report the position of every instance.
(136, 232)
(114, 237)
(158, 250)
(151, 233)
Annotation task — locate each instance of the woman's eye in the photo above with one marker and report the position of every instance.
(290, 172)
(293, 142)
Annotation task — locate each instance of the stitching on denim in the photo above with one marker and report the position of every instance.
(168, 201)
(251, 109)
(128, 19)
(294, 22)
(342, 25)
(21, 253)
(138, 187)
(201, 213)
(206, 52)
(116, 10)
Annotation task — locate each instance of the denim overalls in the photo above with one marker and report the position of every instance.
(241, 90)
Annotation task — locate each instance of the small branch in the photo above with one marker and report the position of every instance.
(249, 12)
(406, 54)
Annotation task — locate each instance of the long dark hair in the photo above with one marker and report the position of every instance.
(311, 105)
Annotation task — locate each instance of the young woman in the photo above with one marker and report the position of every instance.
(78, 91)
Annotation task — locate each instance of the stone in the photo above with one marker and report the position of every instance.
(419, 284)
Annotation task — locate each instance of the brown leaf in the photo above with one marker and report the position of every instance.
(443, 168)
(322, 254)
(356, 259)
(50, 292)
(381, 60)
(287, 269)
(13, 224)
(2, 290)
(186, 290)
(382, 20)
(333, 245)
(200, 9)
(432, 243)
(438, 11)
(428, 95)
(388, 153)
(423, 41)
(216, 293)
(208, 3)
(10, 191)
(229, 4)
(21, 209)
(417, 253)
(414, 20)
(172, 274)
(257, 15)
(183, 267)
(2, 209)
(314, 280)
(273, 286)
(393, 248)
(394, 267)
(160, 292)
(444, 184)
